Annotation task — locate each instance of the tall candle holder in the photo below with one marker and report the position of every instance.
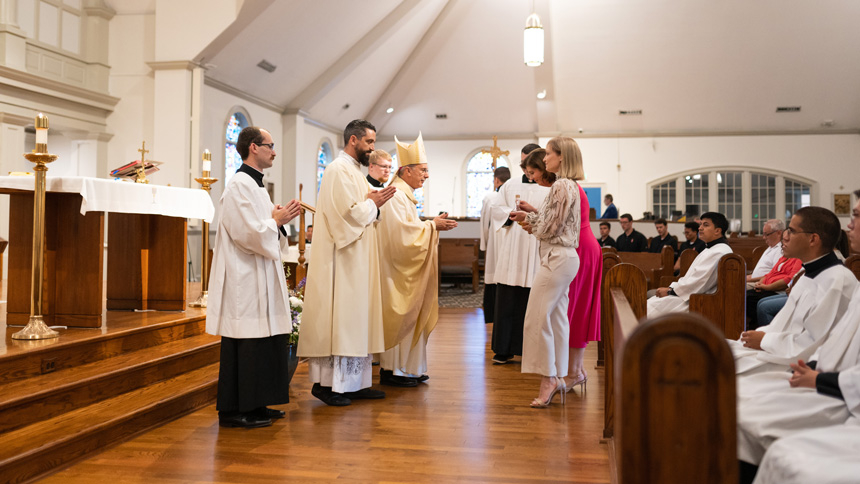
(206, 182)
(36, 327)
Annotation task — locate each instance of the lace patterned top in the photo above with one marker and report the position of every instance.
(558, 218)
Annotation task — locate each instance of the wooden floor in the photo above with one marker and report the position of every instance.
(469, 423)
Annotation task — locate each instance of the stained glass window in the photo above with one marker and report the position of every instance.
(232, 160)
(323, 159)
(479, 181)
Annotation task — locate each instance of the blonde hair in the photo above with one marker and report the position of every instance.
(375, 155)
(571, 157)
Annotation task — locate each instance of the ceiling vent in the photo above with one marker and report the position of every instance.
(788, 109)
(441, 116)
(267, 66)
(631, 112)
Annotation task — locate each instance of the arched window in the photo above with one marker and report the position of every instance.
(797, 196)
(763, 200)
(232, 160)
(479, 180)
(664, 199)
(730, 199)
(324, 157)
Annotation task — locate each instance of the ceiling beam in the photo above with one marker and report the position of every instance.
(379, 107)
(353, 57)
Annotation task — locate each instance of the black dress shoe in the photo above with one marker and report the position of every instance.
(365, 394)
(387, 377)
(422, 378)
(501, 359)
(269, 413)
(329, 397)
(245, 421)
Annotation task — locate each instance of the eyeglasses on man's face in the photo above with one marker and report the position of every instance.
(384, 167)
(791, 231)
(271, 146)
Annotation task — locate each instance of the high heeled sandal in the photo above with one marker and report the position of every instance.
(559, 388)
(581, 381)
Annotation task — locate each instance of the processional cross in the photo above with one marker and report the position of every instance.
(496, 152)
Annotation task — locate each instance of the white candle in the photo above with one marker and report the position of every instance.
(207, 165)
(42, 136)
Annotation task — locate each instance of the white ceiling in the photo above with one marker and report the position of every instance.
(691, 66)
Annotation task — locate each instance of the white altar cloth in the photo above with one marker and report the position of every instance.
(104, 195)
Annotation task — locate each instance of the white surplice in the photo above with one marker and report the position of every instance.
(701, 278)
(767, 261)
(489, 241)
(812, 309)
(827, 455)
(518, 251)
(770, 409)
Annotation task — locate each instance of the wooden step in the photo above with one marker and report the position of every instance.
(26, 401)
(31, 451)
(62, 353)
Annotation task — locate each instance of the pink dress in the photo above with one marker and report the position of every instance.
(583, 312)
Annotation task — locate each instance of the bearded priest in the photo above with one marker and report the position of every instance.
(409, 274)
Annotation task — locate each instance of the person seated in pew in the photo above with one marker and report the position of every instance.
(824, 392)
(663, 238)
(691, 234)
(630, 240)
(701, 277)
(818, 300)
(773, 283)
(825, 456)
(772, 235)
(605, 240)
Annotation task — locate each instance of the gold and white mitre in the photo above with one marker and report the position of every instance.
(413, 154)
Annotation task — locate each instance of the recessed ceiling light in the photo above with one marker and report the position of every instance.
(541, 94)
(389, 110)
(267, 66)
(345, 106)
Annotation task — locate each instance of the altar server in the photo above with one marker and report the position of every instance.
(342, 317)
(489, 242)
(410, 271)
(819, 298)
(248, 304)
(516, 265)
(701, 277)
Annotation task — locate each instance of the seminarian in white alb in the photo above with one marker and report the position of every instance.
(268, 240)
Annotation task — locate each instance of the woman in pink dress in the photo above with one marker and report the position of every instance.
(583, 311)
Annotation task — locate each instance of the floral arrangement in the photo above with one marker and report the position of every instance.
(297, 300)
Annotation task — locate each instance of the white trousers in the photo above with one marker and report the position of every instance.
(546, 329)
(405, 359)
(341, 373)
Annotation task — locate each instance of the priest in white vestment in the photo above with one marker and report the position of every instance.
(342, 317)
(819, 299)
(516, 264)
(248, 304)
(701, 277)
(409, 250)
(489, 242)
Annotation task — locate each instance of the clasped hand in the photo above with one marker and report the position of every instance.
(803, 375)
(284, 213)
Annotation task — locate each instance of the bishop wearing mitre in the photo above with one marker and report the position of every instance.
(409, 276)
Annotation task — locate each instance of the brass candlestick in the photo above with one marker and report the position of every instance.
(36, 327)
(206, 183)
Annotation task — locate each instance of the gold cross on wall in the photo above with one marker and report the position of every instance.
(496, 152)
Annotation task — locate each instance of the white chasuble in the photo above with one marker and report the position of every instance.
(342, 313)
(824, 456)
(518, 256)
(769, 409)
(409, 271)
(247, 289)
(812, 309)
(701, 278)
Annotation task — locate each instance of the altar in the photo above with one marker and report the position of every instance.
(147, 247)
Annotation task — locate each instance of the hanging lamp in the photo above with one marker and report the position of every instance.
(533, 41)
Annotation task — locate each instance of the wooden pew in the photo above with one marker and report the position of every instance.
(610, 260)
(3, 244)
(459, 257)
(675, 405)
(756, 256)
(630, 280)
(744, 246)
(852, 263)
(727, 306)
(687, 257)
(655, 266)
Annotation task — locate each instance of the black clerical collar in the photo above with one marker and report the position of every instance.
(527, 180)
(721, 240)
(374, 182)
(821, 264)
(253, 173)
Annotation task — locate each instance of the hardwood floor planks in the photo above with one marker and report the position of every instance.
(469, 423)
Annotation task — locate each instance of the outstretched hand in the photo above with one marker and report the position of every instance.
(803, 375)
(442, 222)
(284, 213)
(524, 206)
(379, 197)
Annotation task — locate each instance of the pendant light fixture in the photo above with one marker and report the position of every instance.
(533, 40)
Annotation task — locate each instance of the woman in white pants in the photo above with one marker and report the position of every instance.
(556, 225)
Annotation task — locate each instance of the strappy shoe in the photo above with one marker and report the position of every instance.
(559, 388)
(581, 381)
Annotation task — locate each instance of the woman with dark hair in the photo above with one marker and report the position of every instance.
(536, 169)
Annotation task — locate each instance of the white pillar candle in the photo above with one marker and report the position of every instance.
(207, 165)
